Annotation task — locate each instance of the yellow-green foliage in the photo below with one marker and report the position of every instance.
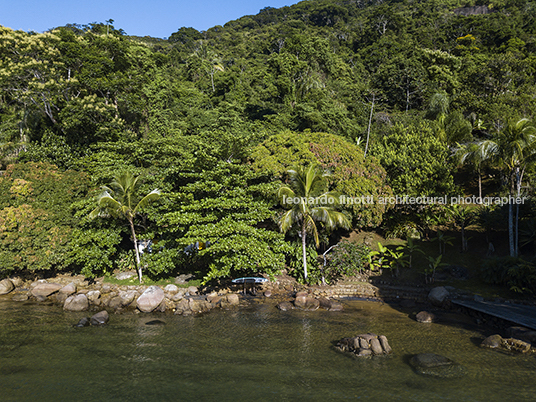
(351, 174)
(35, 220)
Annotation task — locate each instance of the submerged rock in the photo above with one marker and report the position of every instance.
(101, 318)
(434, 365)
(285, 306)
(155, 322)
(84, 322)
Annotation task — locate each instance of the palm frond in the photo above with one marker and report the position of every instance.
(152, 196)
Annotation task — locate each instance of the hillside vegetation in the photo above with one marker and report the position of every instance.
(392, 97)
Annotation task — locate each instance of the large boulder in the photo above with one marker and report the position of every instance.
(438, 295)
(45, 289)
(434, 365)
(76, 303)
(150, 299)
(6, 286)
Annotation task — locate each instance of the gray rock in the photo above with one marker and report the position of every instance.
(76, 303)
(434, 365)
(17, 281)
(425, 317)
(438, 295)
(365, 345)
(20, 297)
(336, 306)
(93, 296)
(171, 289)
(478, 298)
(198, 306)
(385, 344)
(45, 289)
(492, 341)
(330, 305)
(233, 299)
(115, 303)
(183, 307)
(6, 286)
(183, 278)
(121, 276)
(84, 322)
(285, 306)
(61, 297)
(192, 290)
(127, 296)
(68, 289)
(306, 302)
(101, 318)
(150, 299)
(375, 346)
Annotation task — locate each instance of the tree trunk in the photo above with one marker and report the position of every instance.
(304, 250)
(369, 123)
(480, 186)
(511, 230)
(138, 262)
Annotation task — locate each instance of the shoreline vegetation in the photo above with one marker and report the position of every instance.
(328, 140)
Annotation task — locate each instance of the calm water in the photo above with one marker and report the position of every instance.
(257, 353)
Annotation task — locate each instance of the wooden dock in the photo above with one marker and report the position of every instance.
(516, 313)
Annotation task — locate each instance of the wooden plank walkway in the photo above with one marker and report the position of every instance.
(515, 313)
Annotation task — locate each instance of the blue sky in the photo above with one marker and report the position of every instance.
(158, 18)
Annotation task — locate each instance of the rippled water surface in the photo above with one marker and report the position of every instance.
(255, 353)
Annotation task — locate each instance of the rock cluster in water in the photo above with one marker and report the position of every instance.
(305, 301)
(365, 345)
(511, 345)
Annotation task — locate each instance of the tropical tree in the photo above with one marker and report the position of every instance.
(119, 200)
(476, 154)
(513, 149)
(309, 203)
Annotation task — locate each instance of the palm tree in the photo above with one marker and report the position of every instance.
(513, 149)
(475, 153)
(309, 202)
(119, 200)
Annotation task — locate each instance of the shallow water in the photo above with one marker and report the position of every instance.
(255, 353)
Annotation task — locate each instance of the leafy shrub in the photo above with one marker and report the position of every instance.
(347, 258)
(518, 274)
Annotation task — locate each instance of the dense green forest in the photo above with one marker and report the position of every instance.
(391, 97)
